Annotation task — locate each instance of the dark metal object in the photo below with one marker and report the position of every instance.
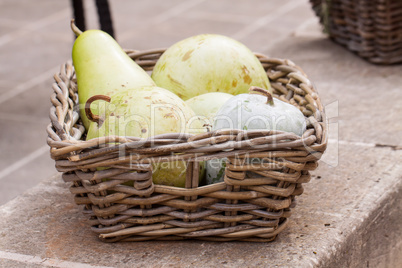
(104, 15)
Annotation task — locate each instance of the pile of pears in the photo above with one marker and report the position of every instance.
(187, 88)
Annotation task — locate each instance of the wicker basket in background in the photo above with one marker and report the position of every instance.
(252, 204)
(370, 28)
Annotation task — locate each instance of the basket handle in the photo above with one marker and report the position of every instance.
(93, 117)
(264, 92)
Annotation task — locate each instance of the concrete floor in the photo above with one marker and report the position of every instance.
(363, 101)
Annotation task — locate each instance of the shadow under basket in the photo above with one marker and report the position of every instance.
(254, 201)
(370, 28)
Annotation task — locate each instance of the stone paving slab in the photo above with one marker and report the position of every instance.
(32, 47)
(24, 175)
(349, 215)
(12, 136)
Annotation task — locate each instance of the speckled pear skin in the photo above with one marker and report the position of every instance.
(209, 63)
(148, 112)
(102, 67)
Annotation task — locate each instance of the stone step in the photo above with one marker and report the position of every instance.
(348, 216)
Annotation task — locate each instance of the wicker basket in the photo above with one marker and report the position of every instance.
(370, 28)
(252, 204)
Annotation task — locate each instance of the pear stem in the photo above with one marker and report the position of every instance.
(75, 29)
(93, 117)
(264, 92)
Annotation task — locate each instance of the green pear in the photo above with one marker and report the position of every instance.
(144, 113)
(173, 173)
(207, 105)
(209, 63)
(103, 68)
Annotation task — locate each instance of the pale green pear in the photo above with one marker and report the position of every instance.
(102, 67)
(207, 105)
(209, 63)
(147, 112)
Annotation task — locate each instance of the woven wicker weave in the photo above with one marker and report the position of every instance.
(370, 28)
(252, 204)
